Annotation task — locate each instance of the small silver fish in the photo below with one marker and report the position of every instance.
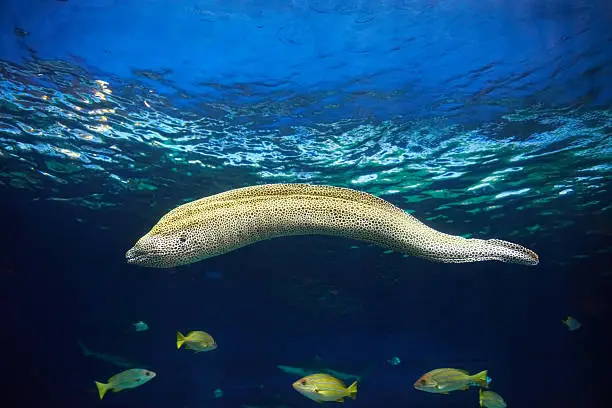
(116, 360)
(571, 323)
(140, 326)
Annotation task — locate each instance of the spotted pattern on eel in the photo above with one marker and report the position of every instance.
(233, 219)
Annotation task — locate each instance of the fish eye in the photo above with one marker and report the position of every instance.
(147, 374)
(303, 382)
(182, 239)
(423, 382)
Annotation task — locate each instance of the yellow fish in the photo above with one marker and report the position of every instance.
(571, 323)
(127, 379)
(490, 399)
(324, 388)
(196, 340)
(445, 380)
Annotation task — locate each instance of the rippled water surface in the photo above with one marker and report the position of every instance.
(483, 118)
(418, 101)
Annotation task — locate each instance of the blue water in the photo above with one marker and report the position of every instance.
(481, 118)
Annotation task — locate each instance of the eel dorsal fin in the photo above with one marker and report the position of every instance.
(280, 189)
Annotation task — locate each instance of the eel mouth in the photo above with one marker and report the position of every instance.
(153, 258)
(134, 257)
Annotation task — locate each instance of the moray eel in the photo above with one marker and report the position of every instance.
(233, 219)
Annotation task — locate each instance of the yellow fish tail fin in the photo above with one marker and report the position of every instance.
(102, 388)
(352, 390)
(180, 339)
(481, 379)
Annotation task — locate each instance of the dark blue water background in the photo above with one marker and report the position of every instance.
(486, 118)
